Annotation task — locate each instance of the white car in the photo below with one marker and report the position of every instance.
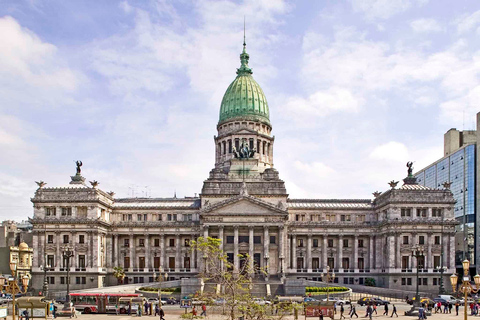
(338, 301)
(261, 302)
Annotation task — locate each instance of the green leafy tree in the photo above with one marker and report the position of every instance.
(119, 273)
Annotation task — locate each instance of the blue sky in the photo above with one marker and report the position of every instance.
(133, 89)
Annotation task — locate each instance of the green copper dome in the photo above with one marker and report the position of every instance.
(244, 99)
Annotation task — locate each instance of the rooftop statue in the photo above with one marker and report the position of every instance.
(410, 168)
(79, 164)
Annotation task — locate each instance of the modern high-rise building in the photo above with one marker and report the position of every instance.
(458, 167)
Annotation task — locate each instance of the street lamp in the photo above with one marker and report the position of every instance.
(12, 286)
(466, 287)
(441, 269)
(67, 254)
(45, 268)
(417, 253)
(328, 277)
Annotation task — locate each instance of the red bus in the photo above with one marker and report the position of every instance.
(103, 302)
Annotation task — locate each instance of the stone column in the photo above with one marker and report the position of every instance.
(163, 253)
(371, 253)
(266, 248)
(324, 252)
(281, 248)
(445, 245)
(235, 249)
(92, 252)
(147, 252)
(250, 247)
(133, 263)
(340, 252)
(220, 235)
(390, 262)
(115, 250)
(178, 256)
(398, 263)
(429, 262)
(203, 267)
(451, 255)
(294, 252)
(59, 254)
(289, 250)
(309, 252)
(355, 252)
(73, 259)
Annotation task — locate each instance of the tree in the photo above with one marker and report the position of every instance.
(119, 273)
(235, 283)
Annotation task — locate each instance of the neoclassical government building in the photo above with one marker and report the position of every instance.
(244, 203)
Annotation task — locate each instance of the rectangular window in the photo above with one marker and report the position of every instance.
(139, 217)
(81, 261)
(130, 217)
(331, 263)
(51, 260)
(65, 238)
(273, 239)
(126, 262)
(257, 239)
(51, 280)
(230, 239)
(81, 238)
(300, 243)
(405, 239)
(171, 262)
(51, 211)
(437, 239)
(345, 243)
(126, 243)
(436, 213)
(156, 262)
(156, 242)
(425, 281)
(77, 280)
(141, 242)
(361, 218)
(404, 281)
(361, 263)
(434, 281)
(141, 262)
(315, 243)
(84, 280)
(409, 281)
(405, 262)
(187, 217)
(159, 217)
(421, 240)
(436, 261)
(360, 243)
(62, 280)
(171, 242)
(144, 217)
(406, 212)
(50, 238)
(422, 213)
(346, 263)
(342, 217)
(243, 239)
(67, 211)
(330, 243)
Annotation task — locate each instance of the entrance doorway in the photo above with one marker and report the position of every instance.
(300, 263)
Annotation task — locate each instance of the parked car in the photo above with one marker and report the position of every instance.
(309, 299)
(219, 301)
(172, 300)
(469, 301)
(338, 300)
(426, 301)
(261, 302)
(448, 298)
(375, 301)
(442, 301)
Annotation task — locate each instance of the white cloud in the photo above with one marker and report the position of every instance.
(391, 151)
(315, 169)
(468, 22)
(425, 25)
(384, 9)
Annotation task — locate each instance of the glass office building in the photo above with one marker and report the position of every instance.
(458, 168)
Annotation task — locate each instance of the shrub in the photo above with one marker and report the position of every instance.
(370, 282)
(325, 289)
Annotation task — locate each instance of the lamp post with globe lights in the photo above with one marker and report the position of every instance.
(417, 252)
(161, 277)
(45, 269)
(466, 287)
(12, 286)
(67, 253)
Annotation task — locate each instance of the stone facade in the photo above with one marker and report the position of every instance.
(245, 203)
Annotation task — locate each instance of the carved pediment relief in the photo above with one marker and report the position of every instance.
(244, 206)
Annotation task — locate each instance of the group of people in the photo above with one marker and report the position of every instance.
(149, 307)
(204, 310)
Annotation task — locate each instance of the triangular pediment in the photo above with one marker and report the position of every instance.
(244, 205)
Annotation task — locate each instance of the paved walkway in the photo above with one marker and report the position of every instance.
(214, 313)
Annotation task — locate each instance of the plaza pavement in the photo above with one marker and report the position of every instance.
(214, 313)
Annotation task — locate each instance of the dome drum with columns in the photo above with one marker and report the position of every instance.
(244, 203)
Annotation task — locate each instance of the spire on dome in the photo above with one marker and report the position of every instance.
(244, 68)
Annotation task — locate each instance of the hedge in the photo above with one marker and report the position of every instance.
(325, 289)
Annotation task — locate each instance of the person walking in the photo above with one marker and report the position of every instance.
(342, 310)
(157, 310)
(457, 306)
(204, 310)
(369, 312)
(320, 315)
(394, 311)
(385, 312)
(353, 311)
(420, 312)
(51, 310)
(194, 311)
(375, 308)
(450, 306)
(54, 311)
(161, 313)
